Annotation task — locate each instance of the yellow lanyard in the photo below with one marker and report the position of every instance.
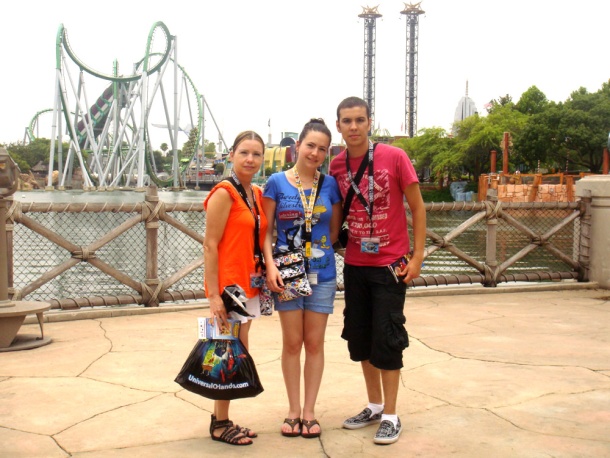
(308, 205)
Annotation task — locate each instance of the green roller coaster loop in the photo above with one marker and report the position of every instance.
(62, 39)
(32, 125)
(96, 118)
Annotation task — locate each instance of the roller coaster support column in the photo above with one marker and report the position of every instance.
(598, 188)
(176, 119)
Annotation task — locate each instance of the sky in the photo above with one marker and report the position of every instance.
(284, 62)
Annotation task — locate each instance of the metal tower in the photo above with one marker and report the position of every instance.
(412, 12)
(370, 16)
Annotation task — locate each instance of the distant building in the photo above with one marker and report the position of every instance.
(466, 108)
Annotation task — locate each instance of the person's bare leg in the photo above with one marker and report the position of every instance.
(372, 379)
(221, 408)
(390, 381)
(314, 331)
(292, 343)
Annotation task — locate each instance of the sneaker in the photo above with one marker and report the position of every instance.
(363, 419)
(387, 433)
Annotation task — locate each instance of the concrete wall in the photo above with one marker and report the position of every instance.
(598, 187)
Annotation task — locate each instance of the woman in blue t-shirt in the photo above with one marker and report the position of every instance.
(313, 225)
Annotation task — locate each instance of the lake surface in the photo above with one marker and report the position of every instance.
(118, 196)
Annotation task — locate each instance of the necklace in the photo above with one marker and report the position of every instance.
(308, 204)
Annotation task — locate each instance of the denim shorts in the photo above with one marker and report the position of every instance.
(322, 300)
(373, 318)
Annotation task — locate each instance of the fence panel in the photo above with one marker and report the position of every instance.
(75, 255)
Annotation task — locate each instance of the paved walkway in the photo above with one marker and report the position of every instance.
(514, 374)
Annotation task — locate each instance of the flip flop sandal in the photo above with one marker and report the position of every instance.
(292, 422)
(310, 424)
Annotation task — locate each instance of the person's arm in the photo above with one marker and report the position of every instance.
(217, 215)
(335, 222)
(418, 211)
(274, 280)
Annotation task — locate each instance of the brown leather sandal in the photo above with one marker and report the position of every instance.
(310, 424)
(292, 422)
(231, 434)
(242, 429)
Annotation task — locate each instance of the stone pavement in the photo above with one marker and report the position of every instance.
(506, 372)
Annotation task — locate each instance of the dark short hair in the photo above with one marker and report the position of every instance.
(353, 102)
(315, 125)
(247, 135)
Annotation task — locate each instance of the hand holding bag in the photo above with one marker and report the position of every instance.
(291, 265)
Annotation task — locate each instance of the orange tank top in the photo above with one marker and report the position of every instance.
(236, 248)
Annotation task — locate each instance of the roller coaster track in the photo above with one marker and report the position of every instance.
(110, 138)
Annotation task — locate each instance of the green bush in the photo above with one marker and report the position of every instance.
(437, 195)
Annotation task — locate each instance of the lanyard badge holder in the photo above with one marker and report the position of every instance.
(369, 244)
(308, 206)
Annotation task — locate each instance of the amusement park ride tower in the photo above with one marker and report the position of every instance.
(370, 16)
(412, 11)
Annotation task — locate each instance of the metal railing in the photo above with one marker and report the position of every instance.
(95, 254)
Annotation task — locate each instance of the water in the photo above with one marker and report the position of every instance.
(110, 197)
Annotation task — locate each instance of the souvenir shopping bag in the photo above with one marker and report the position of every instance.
(219, 366)
(266, 300)
(291, 265)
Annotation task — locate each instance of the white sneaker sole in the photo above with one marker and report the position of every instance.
(389, 440)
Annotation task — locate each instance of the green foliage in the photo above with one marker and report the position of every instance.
(162, 163)
(436, 195)
(570, 134)
(209, 147)
(27, 156)
(219, 168)
(188, 149)
(532, 101)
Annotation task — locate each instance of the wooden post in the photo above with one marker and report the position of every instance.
(494, 159)
(584, 248)
(10, 268)
(531, 197)
(4, 302)
(490, 246)
(150, 214)
(483, 184)
(505, 143)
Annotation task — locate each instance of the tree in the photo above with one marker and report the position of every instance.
(188, 149)
(570, 135)
(209, 147)
(27, 156)
(431, 149)
(532, 101)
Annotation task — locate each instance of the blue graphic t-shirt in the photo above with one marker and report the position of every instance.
(290, 221)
